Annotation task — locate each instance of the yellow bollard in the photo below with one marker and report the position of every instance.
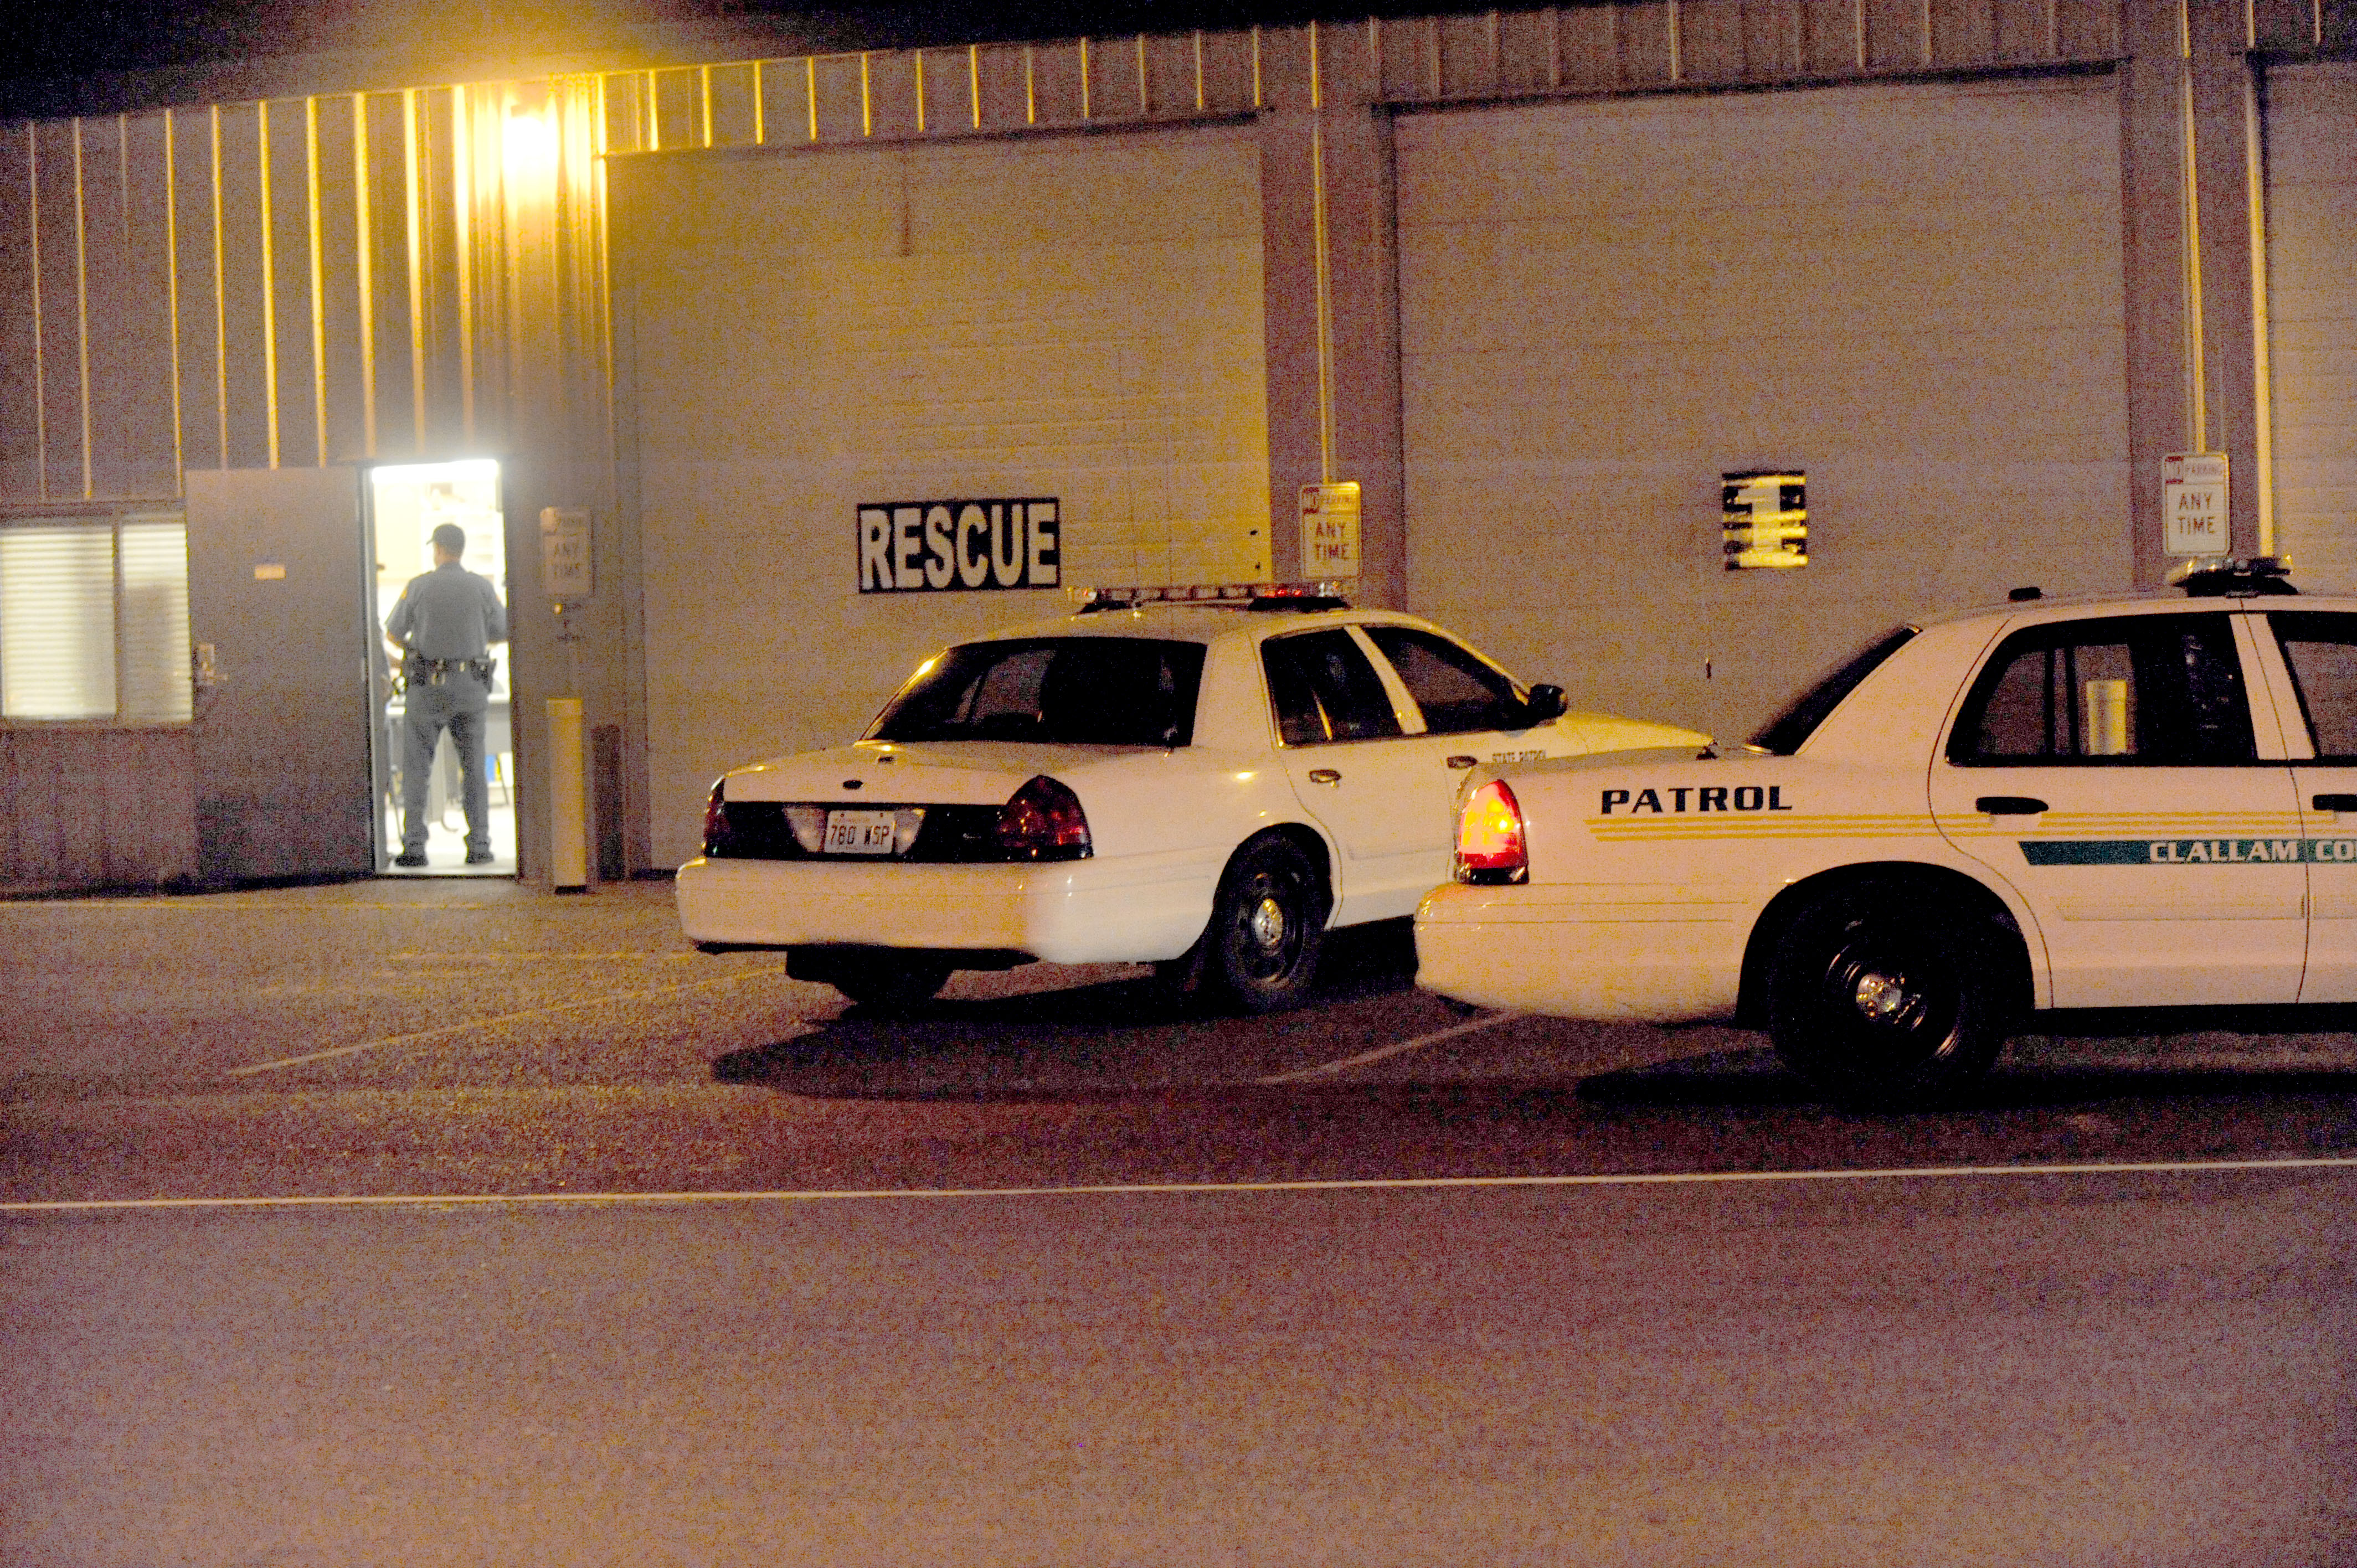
(568, 825)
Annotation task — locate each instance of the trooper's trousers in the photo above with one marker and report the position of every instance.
(457, 703)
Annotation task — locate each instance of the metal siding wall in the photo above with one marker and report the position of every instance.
(241, 299)
(109, 276)
(470, 328)
(285, 283)
(20, 355)
(1077, 319)
(443, 291)
(140, 313)
(60, 309)
(382, 313)
(186, 188)
(339, 394)
(2313, 284)
(1912, 293)
(289, 367)
(285, 356)
(95, 808)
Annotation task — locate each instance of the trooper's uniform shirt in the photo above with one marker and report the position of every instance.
(448, 616)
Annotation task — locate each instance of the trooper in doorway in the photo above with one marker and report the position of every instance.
(443, 627)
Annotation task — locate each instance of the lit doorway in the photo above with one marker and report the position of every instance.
(405, 504)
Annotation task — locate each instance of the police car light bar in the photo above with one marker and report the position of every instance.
(1216, 595)
(2222, 576)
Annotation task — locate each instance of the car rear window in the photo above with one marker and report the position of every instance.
(1788, 730)
(1068, 690)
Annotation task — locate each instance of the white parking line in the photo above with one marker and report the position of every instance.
(1395, 1048)
(414, 1036)
(1181, 1189)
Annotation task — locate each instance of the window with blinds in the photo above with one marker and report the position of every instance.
(94, 619)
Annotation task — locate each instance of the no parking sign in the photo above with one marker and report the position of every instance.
(1329, 530)
(2193, 504)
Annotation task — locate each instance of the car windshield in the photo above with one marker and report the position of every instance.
(1069, 690)
(1785, 733)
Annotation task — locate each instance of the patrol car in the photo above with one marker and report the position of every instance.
(1202, 779)
(2100, 804)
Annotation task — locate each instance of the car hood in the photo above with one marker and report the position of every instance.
(1606, 733)
(975, 772)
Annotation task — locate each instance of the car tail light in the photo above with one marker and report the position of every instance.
(1043, 821)
(1490, 844)
(716, 819)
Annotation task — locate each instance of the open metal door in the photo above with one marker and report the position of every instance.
(277, 612)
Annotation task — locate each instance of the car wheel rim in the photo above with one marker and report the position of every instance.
(1892, 1005)
(1270, 929)
(1884, 1000)
(1267, 925)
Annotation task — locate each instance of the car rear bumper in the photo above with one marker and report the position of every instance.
(1581, 952)
(1131, 910)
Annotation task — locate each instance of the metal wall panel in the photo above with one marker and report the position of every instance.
(186, 182)
(1913, 293)
(240, 299)
(60, 308)
(338, 289)
(20, 347)
(1077, 317)
(735, 110)
(2313, 284)
(278, 284)
(1228, 71)
(140, 285)
(340, 392)
(335, 277)
(894, 108)
(96, 808)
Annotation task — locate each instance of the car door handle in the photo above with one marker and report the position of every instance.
(2333, 802)
(1460, 760)
(1324, 776)
(2009, 805)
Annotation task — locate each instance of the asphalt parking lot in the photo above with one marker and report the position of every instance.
(454, 1222)
(417, 1037)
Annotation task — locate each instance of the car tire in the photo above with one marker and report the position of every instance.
(886, 985)
(1883, 1002)
(1260, 952)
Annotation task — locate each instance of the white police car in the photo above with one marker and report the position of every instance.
(1202, 779)
(2130, 803)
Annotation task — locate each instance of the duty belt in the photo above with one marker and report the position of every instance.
(437, 670)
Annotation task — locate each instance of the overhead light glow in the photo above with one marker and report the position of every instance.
(528, 146)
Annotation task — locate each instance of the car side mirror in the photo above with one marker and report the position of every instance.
(1545, 703)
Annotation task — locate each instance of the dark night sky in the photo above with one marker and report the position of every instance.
(97, 56)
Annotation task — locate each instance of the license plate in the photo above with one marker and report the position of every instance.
(860, 832)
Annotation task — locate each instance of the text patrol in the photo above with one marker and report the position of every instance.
(1706, 798)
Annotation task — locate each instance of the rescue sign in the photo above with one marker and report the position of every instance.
(963, 545)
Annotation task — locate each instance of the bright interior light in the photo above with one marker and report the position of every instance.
(462, 471)
(529, 145)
